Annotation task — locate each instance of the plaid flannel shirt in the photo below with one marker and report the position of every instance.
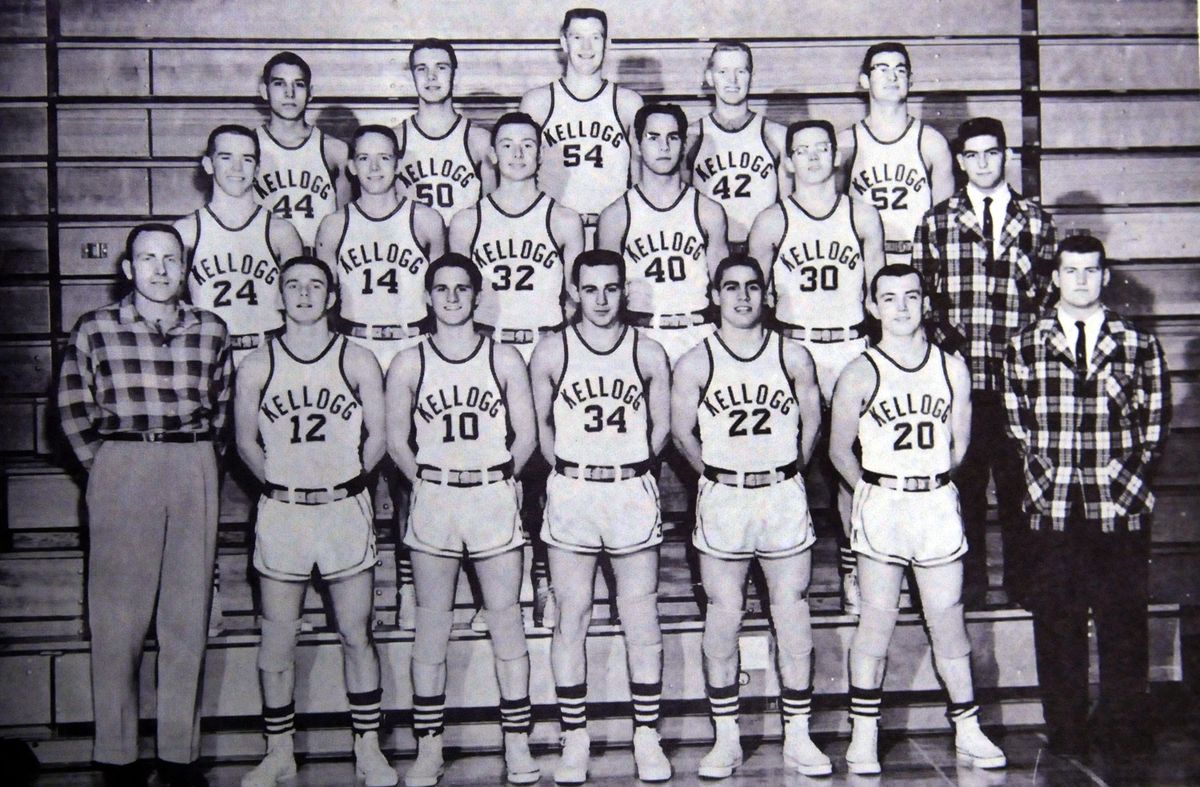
(1097, 432)
(121, 374)
(975, 307)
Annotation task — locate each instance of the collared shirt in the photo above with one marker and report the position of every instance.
(1091, 329)
(1095, 433)
(977, 307)
(999, 207)
(121, 373)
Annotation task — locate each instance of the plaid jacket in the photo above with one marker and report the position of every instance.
(120, 374)
(976, 309)
(1099, 431)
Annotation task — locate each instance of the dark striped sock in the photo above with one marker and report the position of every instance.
(428, 714)
(539, 570)
(958, 711)
(279, 721)
(646, 699)
(516, 715)
(572, 706)
(847, 562)
(404, 569)
(795, 702)
(723, 701)
(865, 702)
(365, 710)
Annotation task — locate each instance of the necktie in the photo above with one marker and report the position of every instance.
(1080, 350)
(988, 236)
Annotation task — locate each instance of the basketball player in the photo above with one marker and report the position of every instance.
(824, 248)
(895, 162)
(734, 153)
(302, 174)
(754, 396)
(456, 395)
(585, 120)
(443, 158)
(309, 419)
(908, 405)
(603, 397)
(670, 234)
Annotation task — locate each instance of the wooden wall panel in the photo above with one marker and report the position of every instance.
(1112, 122)
(79, 297)
(26, 680)
(22, 130)
(1181, 345)
(25, 368)
(72, 239)
(26, 309)
(1135, 179)
(23, 248)
(103, 131)
(1125, 17)
(22, 190)
(1170, 290)
(23, 19)
(1185, 404)
(1118, 65)
(109, 190)
(24, 69)
(179, 189)
(1139, 233)
(17, 423)
(92, 71)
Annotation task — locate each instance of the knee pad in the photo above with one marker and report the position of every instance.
(432, 636)
(948, 632)
(721, 625)
(793, 628)
(507, 628)
(277, 653)
(639, 618)
(874, 631)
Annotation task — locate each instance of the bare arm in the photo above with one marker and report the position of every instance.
(628, 104)
(362, 371)
(690, 374)
(803, 374)
(870, 237)
(248, 388)
(329, 234)
(431, 231)
(776, 134)
(187, 228)
(652, 360)
(284, 239)
(567, 229)
(478, 143)
(337, 154)
(398, 397)
(846, 149)
(614, 220)
(691, 151)
(545, 367)
(960, 411)
(514, 380)
(712, 221)
(936, 153)
(536, 104)
(766, 233)
(853, 387)
(462, 231)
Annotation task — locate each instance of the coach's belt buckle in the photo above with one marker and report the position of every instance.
(602, 472)
(245, 341)
(916, 483)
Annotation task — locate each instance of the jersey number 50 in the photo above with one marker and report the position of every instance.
(442, 194)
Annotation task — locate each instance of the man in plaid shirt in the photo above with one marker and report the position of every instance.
(1086, 395)
(142, 393)
(984, 254)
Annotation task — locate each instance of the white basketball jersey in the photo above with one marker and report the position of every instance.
(585, 153)
(521, 263)
(460, 418)
(601, 413)
(310, 419)
(905, 427)
(295, 183)
(892, 177)
(235, 273)
(665, 254)
(749, 418)
(737, 169)
(818, 273)
(438, 171)
(381, 267)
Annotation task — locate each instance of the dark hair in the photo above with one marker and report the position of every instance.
(800, 125)
(881, 47)
(515, 119)
(598, 258)
(643, 114)
(433, 43)
(584, 13)
(231, 128)
(305, 259)
(737, 261)
(729, 45)
(373, 128)
(980, 127)
(153, 226)
(1081, 244)
(452, 259)
(897, 270)
(286, 59)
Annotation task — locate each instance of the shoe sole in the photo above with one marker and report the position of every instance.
(715, 772)
(570, 778)
(425, 781)
(823, 769)
(654, 778)
(523, 778)
(369, 783)
(283, 777)
(987, 763)
(863, 768)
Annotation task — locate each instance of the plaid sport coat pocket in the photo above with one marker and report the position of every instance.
(1039, 485)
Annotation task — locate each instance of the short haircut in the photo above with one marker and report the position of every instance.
(305, 259)
(231, 128)
(1081, 244)
(896, 270)
(643, 114)
(795, 128)
(980, 127)
(433, 43)
(729, 45)
(597, 258)
(373, 128)
(881, 47)
(515, 119)
(152, 226)
(584, 13)
(453, 259)
(286, 59)
(737, 261)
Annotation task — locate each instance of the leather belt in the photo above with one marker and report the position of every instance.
(684, 320)
(379, 332)
(822, 335)
(897, 246)
(912, 483)
(477, 477)
(517, 335)
(159, 437)
(315, 496)
(753, 480)
(602, 473)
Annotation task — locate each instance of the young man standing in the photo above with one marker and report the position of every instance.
(754, 396)
(907, 404)
(309, 421)
(603, 398)
(443, 158)
(456, 395)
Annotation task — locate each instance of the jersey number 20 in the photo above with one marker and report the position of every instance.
(904, 434)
